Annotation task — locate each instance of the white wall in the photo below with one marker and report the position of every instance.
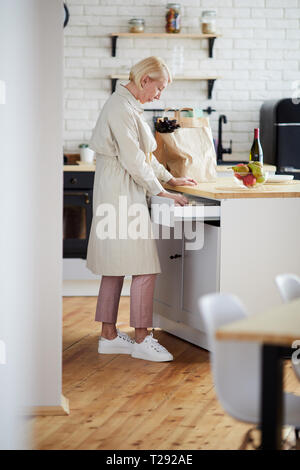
(31, 48)
(257, 57)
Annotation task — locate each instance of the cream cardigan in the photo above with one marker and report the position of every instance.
(125, 166)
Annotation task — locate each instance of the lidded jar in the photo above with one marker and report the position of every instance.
(209, 22)
(173, 18)
(136, 25)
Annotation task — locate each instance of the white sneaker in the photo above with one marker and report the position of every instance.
(151, 350)
(122, 344)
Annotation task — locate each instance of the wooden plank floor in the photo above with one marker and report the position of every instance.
(118, 402)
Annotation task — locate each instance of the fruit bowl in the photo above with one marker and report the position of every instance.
(241, 184)
(249, 175)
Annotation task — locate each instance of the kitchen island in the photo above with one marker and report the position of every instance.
(250, 236)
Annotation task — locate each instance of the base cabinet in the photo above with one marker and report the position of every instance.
(167, 294)
(200, 276)
(185, 278)
(254, 240)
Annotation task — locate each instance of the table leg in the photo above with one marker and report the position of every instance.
(271, 397)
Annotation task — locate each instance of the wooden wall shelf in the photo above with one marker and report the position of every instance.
(209, 78)
(211, 38)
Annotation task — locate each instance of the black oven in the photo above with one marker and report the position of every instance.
(77, 212)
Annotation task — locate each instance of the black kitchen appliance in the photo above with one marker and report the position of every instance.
(77, 212)
(280, 135)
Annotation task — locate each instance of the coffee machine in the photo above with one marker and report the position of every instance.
(280, 135)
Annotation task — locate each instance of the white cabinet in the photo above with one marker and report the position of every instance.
(187, 273)
(200, 276)
(266, 229)
(166, 295)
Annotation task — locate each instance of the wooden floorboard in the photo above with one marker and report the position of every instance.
(117, 402)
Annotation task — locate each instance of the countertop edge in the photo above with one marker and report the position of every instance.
(239, 194)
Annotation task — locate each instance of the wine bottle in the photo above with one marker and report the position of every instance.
(256, 153)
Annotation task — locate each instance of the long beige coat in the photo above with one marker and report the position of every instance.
(123, 142)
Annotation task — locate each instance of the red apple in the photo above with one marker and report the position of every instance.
(238, 176)
(249, 180)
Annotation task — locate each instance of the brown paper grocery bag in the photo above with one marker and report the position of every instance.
(188, 151)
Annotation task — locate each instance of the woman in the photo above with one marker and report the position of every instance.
(127, 170)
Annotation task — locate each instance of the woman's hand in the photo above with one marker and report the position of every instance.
(180, 199)
(183, 181)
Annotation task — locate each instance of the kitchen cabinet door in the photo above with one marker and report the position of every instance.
(167, 288)
(200, 275)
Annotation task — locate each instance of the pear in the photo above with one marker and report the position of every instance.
(261, 179)
(256, 168)
(241, 169)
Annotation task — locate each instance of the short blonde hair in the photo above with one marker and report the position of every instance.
(154, 67)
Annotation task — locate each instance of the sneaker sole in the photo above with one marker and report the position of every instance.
(113, 351)
(146, 358)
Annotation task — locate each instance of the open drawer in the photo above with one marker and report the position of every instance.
(165, 212)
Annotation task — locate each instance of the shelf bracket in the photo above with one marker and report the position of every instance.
(113, 84)
(211, 42)
(211, 83)
(114, 45)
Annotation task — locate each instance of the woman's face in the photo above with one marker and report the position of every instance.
(151, 89)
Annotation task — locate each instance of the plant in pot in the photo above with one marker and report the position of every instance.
(86, 154)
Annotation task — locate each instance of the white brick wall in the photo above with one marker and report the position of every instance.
(257, 57)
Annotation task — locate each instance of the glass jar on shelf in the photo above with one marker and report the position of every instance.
(209, 22)
(173, 18)
(136, 25)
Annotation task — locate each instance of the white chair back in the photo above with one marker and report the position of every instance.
(235, 365)
(288, 286)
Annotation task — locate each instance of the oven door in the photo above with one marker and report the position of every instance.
(77, 219)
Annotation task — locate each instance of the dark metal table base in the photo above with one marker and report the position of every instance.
(271, 397)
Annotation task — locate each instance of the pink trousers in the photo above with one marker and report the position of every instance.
(141, 299)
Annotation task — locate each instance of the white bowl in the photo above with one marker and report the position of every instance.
(280, 178)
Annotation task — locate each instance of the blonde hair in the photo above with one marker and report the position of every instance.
(154, 67)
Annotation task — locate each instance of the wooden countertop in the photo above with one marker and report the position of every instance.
(279, 325)
(92, 167)
(223, 188)
(82, 167)
(226, 188)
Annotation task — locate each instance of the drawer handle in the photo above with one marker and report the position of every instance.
(73, 180)
(175, 256)
(78, 193)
